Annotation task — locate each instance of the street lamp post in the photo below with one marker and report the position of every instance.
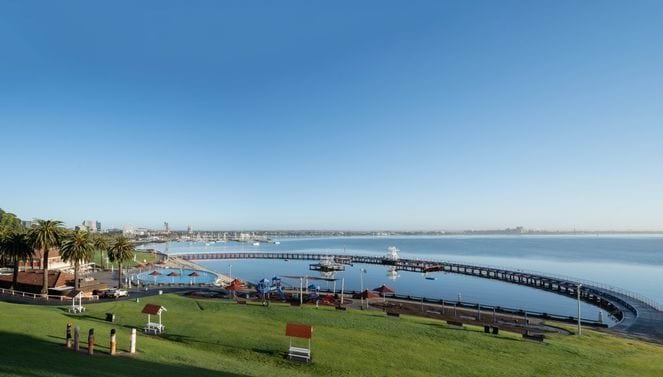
(362, 271)
(579, 327)
(230, 271)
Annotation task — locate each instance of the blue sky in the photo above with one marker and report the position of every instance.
(334, 115)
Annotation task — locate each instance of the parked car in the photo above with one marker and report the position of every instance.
(111, 293)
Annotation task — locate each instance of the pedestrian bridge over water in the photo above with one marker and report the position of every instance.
(638, 316)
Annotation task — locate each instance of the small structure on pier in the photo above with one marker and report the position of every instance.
(392, 256)
(153, 328)
(327, 265)
(296, 330)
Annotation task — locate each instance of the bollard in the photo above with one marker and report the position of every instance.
(77, 338)
(90, 342)
(132, 343)
(68, 342)
(113, 342)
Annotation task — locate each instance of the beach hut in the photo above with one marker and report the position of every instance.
(172, 275)
(76, 307)
(296, 330)
(193, 276)
(154, 274)
(383, 290)
(153, 327)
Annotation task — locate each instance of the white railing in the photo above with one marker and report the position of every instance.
(42, 297)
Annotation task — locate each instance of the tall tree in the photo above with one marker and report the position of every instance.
(46, 235)
(16, 248)
(121, 251)
(102, 244)
(77, 247)
(9, 223)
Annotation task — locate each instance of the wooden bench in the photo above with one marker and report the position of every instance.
(393, 314)
(455, 323)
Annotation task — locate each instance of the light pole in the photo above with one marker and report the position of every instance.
(362, 271)
(230, 271)
(579, 328)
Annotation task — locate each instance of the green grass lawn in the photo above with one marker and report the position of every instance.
(140, 257)
(222, 338)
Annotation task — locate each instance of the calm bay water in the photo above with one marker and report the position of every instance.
(633, 262)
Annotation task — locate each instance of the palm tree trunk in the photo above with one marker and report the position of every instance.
(76, 284)
(44, 289)
(101, 253)
(15, 277)
(119, 275)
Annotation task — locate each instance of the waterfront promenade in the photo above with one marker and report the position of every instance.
(636, 315)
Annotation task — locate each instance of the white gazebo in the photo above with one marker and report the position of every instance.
(154, 328)
(76, 295)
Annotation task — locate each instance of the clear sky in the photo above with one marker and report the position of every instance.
(334, 115)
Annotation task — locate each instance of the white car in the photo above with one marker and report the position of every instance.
(113, 293)
(119, 293)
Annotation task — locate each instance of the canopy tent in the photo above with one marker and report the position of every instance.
(366, 294)
(172, 275)
(152, 327)
(383, 290)
(193, 276)
(154, 274)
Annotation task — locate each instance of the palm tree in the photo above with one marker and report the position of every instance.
(77, 247)
(44, 236)
(102, 244)
(16, 247)
(121, 251)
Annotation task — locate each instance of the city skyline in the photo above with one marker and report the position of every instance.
(430, 116)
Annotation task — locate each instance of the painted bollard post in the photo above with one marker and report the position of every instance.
(90, 342)
(113, 342)
(132, 343)
(68, 341)
(77, 338)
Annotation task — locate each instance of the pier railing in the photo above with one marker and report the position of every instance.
(413, 263)
(571, 279)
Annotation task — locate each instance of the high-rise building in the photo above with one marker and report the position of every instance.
(189, 230)
(165, 225)
(92, 226)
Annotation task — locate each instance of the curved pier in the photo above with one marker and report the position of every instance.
(638, 316)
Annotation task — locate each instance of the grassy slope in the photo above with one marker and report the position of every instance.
(208, 337)
(140, 257)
